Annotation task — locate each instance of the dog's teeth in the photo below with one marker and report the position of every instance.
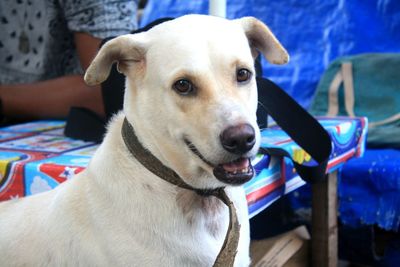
(240, 171)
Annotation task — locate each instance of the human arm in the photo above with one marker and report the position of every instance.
(90, 22)
(53, 98)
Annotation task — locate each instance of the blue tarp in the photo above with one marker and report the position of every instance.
(314, 32)
(369, 190)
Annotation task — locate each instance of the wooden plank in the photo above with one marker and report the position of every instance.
(289, 249)
(324, 233)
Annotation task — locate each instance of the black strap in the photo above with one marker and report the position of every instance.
(304, 129)
(84, 124)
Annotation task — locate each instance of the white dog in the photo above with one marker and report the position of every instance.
(191, 99)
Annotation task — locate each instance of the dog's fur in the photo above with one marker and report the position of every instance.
(116, 212)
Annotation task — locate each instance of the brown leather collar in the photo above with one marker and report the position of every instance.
(228, 251)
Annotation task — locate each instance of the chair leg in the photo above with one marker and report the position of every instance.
(324, 235)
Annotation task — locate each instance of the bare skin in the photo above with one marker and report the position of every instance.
(54, 98)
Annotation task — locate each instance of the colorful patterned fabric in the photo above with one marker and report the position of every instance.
(36, 157)
(276, 176)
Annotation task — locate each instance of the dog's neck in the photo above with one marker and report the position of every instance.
(153, 164)
(228, 251)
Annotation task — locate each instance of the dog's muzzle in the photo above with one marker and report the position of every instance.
(236, 140)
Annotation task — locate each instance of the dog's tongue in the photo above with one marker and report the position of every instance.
(237, 165)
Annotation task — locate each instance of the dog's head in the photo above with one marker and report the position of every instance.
(191, 93)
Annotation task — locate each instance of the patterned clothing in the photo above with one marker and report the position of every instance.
(36, 36)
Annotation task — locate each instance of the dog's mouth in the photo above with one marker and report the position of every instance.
(235, 172)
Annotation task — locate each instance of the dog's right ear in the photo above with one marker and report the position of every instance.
(263, 40)
(127, 50)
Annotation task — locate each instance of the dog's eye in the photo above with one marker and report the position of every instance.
(243, 75)
(183, 87)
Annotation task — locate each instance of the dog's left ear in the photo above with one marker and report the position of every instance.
(263, 40)
(127, 50)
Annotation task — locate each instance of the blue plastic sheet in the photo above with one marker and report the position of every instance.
(369, 190)
(314, 32)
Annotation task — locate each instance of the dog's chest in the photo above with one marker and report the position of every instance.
(188, 230)
(204, 212)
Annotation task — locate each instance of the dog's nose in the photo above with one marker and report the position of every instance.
(238, 139)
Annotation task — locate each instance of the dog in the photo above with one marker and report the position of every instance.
(191, 98)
